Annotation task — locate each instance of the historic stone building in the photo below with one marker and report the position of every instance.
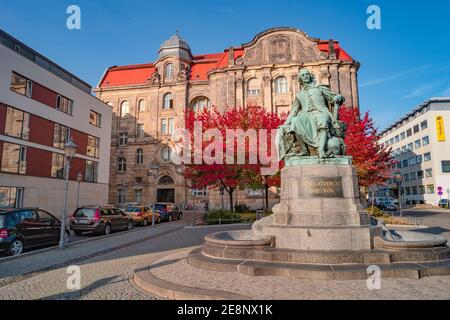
(149, 101)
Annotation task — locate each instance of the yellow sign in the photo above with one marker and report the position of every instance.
(440, 128)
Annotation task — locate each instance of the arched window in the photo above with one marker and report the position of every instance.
(141, 105)
(139, 156)
(166, 180)
(124, 109)
(122, 165)
(254, 87)
(169, 71)
(200, 103)
(281, 85)
(166, 154)
(168, 101)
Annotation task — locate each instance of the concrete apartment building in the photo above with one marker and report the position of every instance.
(419, 142)
(41, 106)
(149, 101)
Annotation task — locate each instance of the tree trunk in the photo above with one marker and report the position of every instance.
(230, 193)
(266, 190)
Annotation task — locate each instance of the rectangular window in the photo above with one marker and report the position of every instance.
(140, 130)
(163, 126)
(428, 173)
(391, 141)
(17, 123)
(404, 149)
(91, 171)
(14, 158)
(399, 165)
(408, 191)
(11, 197)
(406, 177)
(121, 195)
(414, 190)
(409, 132)
(171, 126)
(254, 92)
(412, 161)
(21, 85)
(413, 176)
(95, 118)
(420, 174)
(427, 156)
(425, 140)
(405, 163)
(410, 146)
(419, 159)
(445, 166)
(397, 138)
(60, 136)
(402, 136)
(93, 147)
(64, 104)
(138, 196)
(423, 125)
(57, 165)
(421, 189)
(416, 128)
(417, 144)
(430, 189)
(123, 138)
(198, 192)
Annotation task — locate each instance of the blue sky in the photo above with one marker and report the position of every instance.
(403, 64)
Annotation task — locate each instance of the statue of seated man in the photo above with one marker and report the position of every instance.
(310, 124)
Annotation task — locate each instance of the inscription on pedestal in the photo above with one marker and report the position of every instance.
(311, 187)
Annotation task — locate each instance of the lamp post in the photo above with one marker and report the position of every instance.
(153, 172)
(69, 151)
(79, 178)
(398, 181)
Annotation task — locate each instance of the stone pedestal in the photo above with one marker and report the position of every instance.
(319, 209)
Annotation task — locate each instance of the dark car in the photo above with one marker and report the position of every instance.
(27, 228)
(167, 211)
(443, 203)
(387, 206)
(99, 220)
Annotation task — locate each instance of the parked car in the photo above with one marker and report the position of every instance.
(443, 203)
(100, 220)
(167, 211)
(142, 214)
(387, 206)
(27, 228)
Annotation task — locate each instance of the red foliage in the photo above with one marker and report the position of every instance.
(372, 161)
(231, 176)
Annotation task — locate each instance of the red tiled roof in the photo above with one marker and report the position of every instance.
(201, 65)
(127, 75)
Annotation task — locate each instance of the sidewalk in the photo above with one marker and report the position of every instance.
(78, 251)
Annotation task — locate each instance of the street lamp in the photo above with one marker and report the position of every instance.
(398, 180)
(79, 179)
(69, 151)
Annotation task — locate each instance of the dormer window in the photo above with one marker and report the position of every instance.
(169, 71)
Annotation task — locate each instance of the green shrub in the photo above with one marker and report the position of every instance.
(212, 217)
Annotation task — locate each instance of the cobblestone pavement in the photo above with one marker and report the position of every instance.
(106, 265)
(175, 269)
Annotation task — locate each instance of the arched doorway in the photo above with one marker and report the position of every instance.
(166, 190)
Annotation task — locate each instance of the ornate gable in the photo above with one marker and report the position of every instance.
(281, 45)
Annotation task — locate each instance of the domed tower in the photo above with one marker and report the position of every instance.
(174, 59)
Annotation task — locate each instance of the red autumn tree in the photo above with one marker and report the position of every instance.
(372, 160)
(230, 177)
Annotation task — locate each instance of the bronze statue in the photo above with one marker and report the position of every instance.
(313, 126)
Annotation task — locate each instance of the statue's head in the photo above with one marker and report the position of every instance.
(305, 76)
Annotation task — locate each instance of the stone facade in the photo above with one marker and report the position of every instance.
(246, 75)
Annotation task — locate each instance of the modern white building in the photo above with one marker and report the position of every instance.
(41, 106)
(420, 142)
